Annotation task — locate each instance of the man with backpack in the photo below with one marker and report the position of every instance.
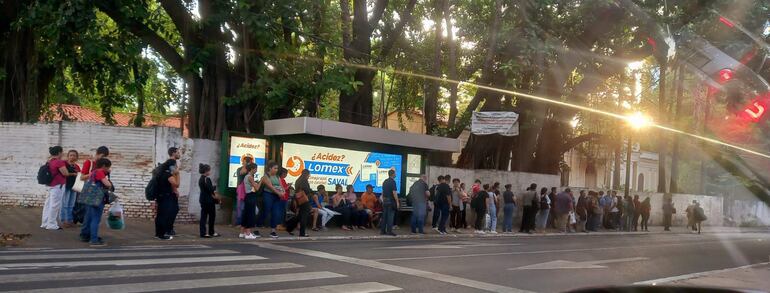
(53, 174)
(479, 205)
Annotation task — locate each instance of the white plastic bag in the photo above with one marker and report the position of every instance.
(115, 217)
(572, 219)
(487, 221)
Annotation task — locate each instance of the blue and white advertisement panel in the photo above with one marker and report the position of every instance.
(330, 166)
(240, 148)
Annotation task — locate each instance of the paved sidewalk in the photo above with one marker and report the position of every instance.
(26, 221)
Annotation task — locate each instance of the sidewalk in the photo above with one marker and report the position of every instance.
(750, 277)
(26, 221)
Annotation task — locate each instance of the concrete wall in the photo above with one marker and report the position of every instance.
(519, 180)
(134, 153)
(747, 211)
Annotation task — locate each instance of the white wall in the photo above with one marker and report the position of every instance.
(134, 153)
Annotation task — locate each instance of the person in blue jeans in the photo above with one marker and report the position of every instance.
(90, 230)
(418, 194)
(390, 204)
(272, 190)
(509, 209)
(68, 200)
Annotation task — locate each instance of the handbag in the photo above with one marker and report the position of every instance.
(300, 197)
(78, 186)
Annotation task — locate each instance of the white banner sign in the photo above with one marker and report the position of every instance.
(503, 123)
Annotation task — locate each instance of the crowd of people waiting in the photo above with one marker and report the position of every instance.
(270, 202)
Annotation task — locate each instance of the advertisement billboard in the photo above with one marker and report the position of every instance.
(240, 148)
(330, 166)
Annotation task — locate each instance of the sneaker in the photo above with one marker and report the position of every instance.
(256, 234)
(435, 229)
(273, 235)
(492, 232)
(241, 235)
(215, 235)
(442, 233)
(395, 228)
(250, 237)
(206, 236)
(166, 237)
(304, 236)
(97, 243)
(172, 233)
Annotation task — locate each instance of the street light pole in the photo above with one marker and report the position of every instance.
(627, 189)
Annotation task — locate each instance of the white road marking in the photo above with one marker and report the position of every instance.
(394, 268)
(192, 284)
(96, 254)
(449, 245)
(64, 276)
(132, 262)
(566, 264)
(696, 275)
(553, 251)
(368, 287)
(122, 248)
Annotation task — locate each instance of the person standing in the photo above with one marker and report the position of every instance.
(480, 203)
(167, 176)
(551, 216)
(436, 212)
(418, 194)
(207, 200)
(509, 209)
(637, 212)
(615, 209)
(544, 210)
(79, 211)
(301, 197)
(90, 230)
(492, 203)
(390, 203)
(241, 188)
(699, 215)
(249, 212)
(628, 213)
(443, 200)
(464, 206)
(271, 194)
(529, 200)
(454, 215)
(59, 173)
(645, 209)
(69, 196)
(581, 212)
(174, 154)
(597, 211)
(690, 212)
(562, 206)
(668, 211)
(605, 201)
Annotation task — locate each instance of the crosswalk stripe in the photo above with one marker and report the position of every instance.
(116, 254)
(192, 284)
(122, 248)
(65, 276)
(368, 287)
(132, 262)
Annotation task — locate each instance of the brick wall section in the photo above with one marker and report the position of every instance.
(134, 153)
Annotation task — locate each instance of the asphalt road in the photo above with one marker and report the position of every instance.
(511, 264)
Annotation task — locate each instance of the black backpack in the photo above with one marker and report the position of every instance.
(432, 196)
(477, 201)
(150, 190)
(44, 175)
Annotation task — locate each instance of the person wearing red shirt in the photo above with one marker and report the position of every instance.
(90, 230)
(68, 200)
(52, 205)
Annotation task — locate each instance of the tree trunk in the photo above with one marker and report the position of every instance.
(662, 114)
(139, 84)
(431, 96)
(674, 185)
(451, 64)
(24, 77)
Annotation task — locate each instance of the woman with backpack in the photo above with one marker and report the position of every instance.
(167, 180)
(54, 174)
(479, 205)
(545, 208)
